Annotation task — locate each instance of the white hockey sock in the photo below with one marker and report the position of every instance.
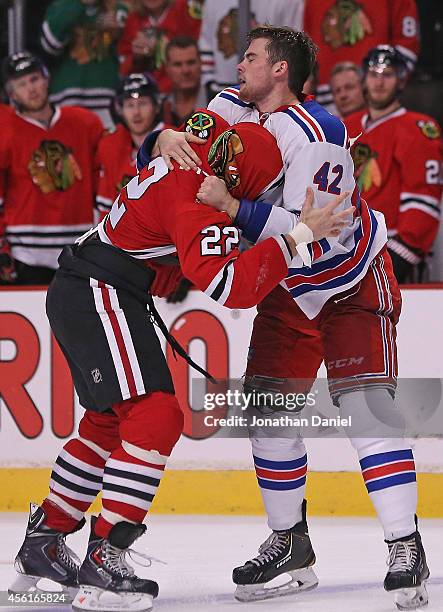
(387, 464)
(281, 465)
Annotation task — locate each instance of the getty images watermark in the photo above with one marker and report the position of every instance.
(231, 408)
(276, 402)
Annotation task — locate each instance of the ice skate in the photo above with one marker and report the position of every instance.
(106, 580)
(284, 552)
(408, 572)
(44, 554)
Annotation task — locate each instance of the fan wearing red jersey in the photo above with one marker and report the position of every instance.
(97, 308)
(407, 191)
(47, 174)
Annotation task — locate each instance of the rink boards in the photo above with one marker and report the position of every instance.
(211, 474)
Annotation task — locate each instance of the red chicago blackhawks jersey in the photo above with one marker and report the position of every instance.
(48, 177)
(397, 163)
(181, 17)
(157, 215)
(345, 30)
(116, 158)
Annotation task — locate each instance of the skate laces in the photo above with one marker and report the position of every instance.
(67, 556)
(116, 559)
(271, 548)
(402, 556)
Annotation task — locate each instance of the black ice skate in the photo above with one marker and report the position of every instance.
(44, 554)
(106, 581)
(408, 572)
(284, 552)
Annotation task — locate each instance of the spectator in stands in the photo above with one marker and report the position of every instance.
(137, 107)
(218, 40)
(47, 174)
(183, 67)
(397, 162)
(83, 34)
(149, 29)
(347, 88)
(345, 30)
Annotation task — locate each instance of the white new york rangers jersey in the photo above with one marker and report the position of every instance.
(315, 149)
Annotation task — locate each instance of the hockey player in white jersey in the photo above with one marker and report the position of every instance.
(347, 305)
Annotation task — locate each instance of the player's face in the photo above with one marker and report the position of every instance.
(255, 73)
(30, 91)
(184, 68)
(381, 87)
(347, 92)
(139, 114)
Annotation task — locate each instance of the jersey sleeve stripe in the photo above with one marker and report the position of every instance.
(300, 110)
(234, 100)
(339, 270)
(220, 286)
(306, 128)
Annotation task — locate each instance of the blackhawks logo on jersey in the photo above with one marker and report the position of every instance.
(200, 124)
(227, 33)
(367, 170)
(53, 167)
(221, 157)
(429, 129)
(195, 8)
(345, 23)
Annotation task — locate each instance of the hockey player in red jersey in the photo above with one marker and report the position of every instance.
(345, 30)
(97, 310)
(136, 106)
(407, 190)
(47, 174)
(343, 310)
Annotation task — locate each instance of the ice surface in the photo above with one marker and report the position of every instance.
(200, 552)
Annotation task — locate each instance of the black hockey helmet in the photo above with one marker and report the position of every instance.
(382, 56)
(137, 85)
(18, 64)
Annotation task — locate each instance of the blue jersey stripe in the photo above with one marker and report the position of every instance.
(340, 280)
(335, 261)
(235, 100)
(257, 221)
(333, 128)
(281, 485)
(307, 130)
(280, 465)
(324, 245)
(391, 481)
(382, 458)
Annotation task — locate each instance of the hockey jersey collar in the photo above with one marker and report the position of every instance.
(55, 117)
(369, 127)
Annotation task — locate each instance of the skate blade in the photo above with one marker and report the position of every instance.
(24, 583)
(300, 580)
(94, 598)
(411, 599)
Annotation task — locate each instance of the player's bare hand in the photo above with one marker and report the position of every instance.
(325, 221)
(175, 145)
(213, 192)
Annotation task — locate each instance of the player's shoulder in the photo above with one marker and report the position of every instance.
(115, 137)
(230, 96)
(419, 124)
(314, 122)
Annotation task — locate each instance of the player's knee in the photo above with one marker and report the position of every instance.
(101, 428)
(154, 421)
(371, 413)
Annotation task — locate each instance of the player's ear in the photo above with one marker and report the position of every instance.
(280, 68)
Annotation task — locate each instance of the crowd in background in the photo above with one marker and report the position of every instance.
(142, 65)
